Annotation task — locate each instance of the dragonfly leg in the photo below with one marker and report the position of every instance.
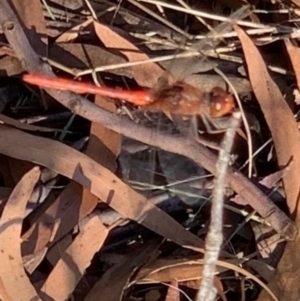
(194, 133)
(213, 125)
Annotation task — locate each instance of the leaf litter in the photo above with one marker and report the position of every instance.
(90, 213)
(287, 143)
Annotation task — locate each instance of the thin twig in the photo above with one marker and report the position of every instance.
(146, 186)
(213, 242)
(195, 12)
(48, 10)
(159, 18)
(92, 11)
(256, 152)
(152, 60)
(216, 54)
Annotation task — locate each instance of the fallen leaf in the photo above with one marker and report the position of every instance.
(35, 27)
(74, 32)
(151, 271)
(264, 270)
(104, 146)
(32, 261)
(167, 271)
(145, 74)
(76, 258)
(54, 253)
(3, 293)
(65, 212)
(11, 268)
(24, 126)
(80, 57)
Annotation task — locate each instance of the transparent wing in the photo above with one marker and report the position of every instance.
(191, 62)
(214, 37)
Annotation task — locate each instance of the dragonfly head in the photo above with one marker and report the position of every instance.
(221, 102)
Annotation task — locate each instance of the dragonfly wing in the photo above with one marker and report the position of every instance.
(213, 38)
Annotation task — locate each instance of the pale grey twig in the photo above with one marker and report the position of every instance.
(159, 18)
(92, 11)
(213, 242)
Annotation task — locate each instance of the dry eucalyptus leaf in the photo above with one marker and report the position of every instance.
(35, 26)
(11, 268)
(145, 74)
(80, 253)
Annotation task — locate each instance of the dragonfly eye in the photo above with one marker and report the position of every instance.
(221, 103)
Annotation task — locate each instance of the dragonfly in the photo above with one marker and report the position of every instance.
(179, 98)
(172, 98)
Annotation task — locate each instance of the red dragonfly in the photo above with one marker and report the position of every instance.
(178, 98)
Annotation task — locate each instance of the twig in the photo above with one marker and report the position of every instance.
(92, 11)
(203, 14)
(176, 144)
(244, 213)
(214, 238)
(48, 10)
(159, 18)
(256, 152)
(217, 53)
